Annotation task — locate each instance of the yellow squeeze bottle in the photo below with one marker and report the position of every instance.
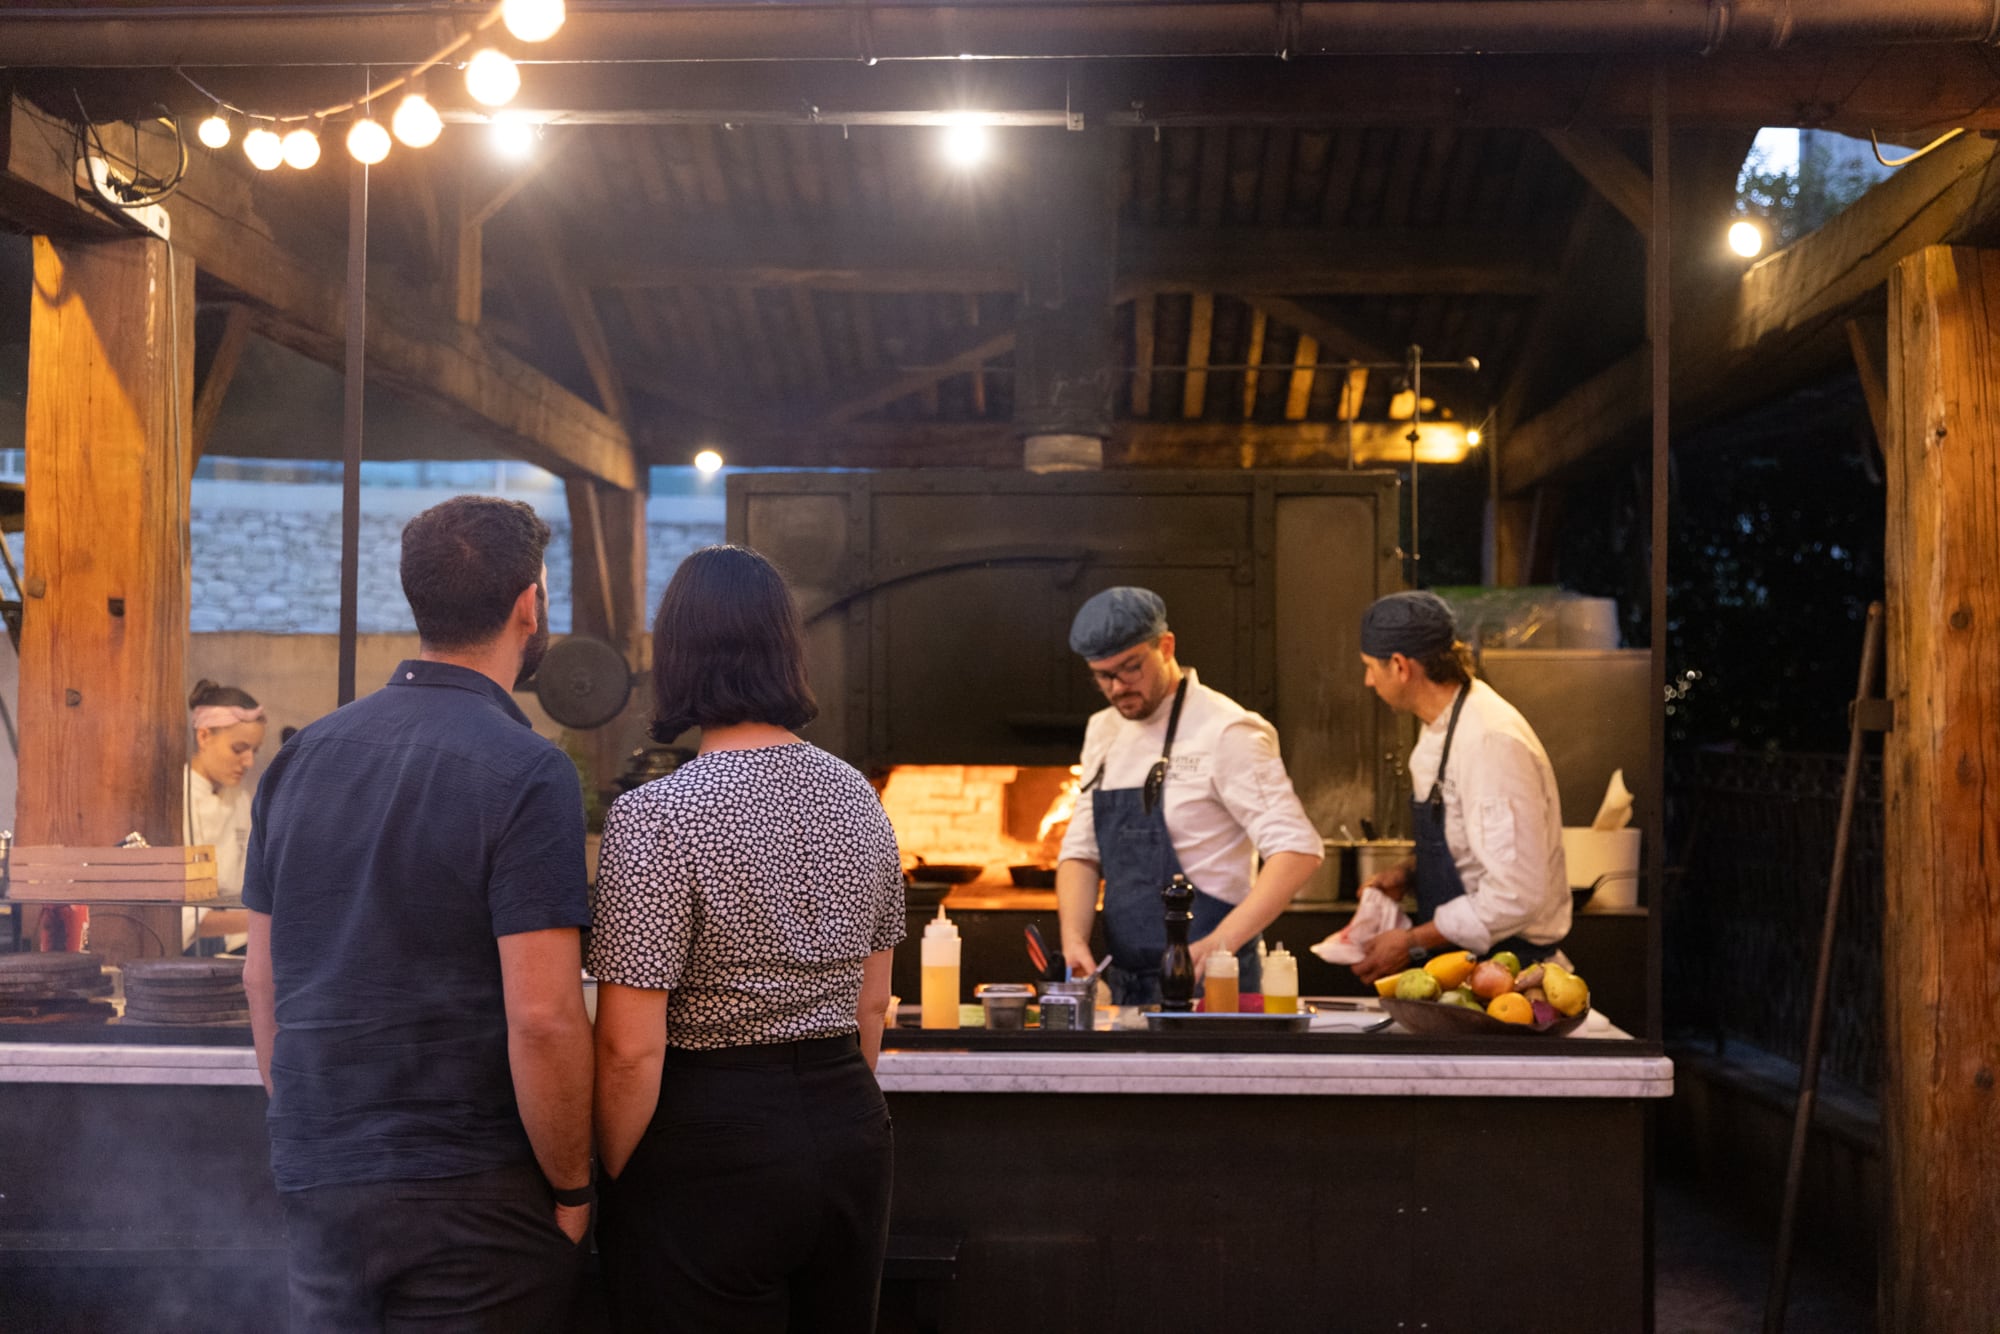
(941, 946)
(1281, 982)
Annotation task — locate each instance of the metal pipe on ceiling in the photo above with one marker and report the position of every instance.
(104, 36)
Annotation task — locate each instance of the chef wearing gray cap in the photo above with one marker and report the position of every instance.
(1178, 779)
(1489, 871)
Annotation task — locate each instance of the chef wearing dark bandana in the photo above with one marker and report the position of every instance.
(1178, 779)
(1489, 872)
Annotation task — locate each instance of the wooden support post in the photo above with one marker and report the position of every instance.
(1299, 393)
(1868, 341)
(1941, 774)
(607, 534)
(1201, 331)
(215, 382)
(103, 713)
(1253, 360)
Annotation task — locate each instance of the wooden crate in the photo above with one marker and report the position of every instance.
(111, 875)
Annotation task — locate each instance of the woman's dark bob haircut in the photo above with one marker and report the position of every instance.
(728, 647)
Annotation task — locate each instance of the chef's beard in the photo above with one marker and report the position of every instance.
(538, 643)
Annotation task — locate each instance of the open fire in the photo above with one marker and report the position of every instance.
(995, 816)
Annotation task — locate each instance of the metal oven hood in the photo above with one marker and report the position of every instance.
(938, 606)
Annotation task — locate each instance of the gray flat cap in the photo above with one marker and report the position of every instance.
(1414, 624)
(1115, 620)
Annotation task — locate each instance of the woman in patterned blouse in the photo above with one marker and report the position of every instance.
(745, 912)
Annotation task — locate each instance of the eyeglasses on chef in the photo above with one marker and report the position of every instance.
(1125, 673)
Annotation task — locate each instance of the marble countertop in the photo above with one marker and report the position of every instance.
(1346, 1073)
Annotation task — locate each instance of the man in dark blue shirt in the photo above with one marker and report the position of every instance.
(416, 883)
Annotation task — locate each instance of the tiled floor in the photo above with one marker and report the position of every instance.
(1713, 1270)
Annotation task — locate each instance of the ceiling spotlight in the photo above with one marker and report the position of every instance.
(966, 143)
(708, 463)
(1746, 238)
(532, 20)
(514, 137)
(214, 131)
(367, 141)
(417, 122)
(1473, 437)
(264, 149)
(492, 78)
(301, 149)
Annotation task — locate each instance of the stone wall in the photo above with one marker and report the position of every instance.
(266, 558)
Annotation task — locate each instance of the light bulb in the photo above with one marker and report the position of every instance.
(417, 122)
(367, 141)
(1473, 437)
(708, 463)
(513, 137)
(264, 149)
(214, 131)
(1746, 238)
(492, 78)
(301, 149)
(965, 144)
(532, 20)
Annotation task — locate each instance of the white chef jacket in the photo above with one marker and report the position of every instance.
(1227, 795)
(223, 820)
(1502, 823)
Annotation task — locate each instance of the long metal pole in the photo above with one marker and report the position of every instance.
(1802, 1116)
(1660, 323)
(350, 435)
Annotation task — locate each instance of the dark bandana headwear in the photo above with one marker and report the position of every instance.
(1415, 624)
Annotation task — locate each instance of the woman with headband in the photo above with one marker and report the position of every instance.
(228, 731)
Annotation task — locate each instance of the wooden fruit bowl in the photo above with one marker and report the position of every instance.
(1430, 1019)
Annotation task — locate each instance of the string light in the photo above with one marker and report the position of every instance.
(708, 463)
(532, 20)
(513, 136)
(301, 149)
(264, 149)
(1746, 238)
(368, 142)
(417, 122)
(965, 143)
(214, 131)
(492, 78)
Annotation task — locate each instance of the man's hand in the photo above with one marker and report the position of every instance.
(1387, 953)
(1201, 949)
(574, 1220)
(1077, 954)
(1395, 882)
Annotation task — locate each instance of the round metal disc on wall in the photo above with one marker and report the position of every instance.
(583, 682)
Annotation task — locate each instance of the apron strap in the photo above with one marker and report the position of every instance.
(1156, 778)
(1450, 730)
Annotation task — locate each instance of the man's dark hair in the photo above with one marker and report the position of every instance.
(728, 647)
(464, 563)
(1448, 666)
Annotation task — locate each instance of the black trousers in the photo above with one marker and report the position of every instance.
(758, 1200)
(475, 1253)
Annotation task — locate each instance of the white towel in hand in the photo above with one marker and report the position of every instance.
(1376, 914)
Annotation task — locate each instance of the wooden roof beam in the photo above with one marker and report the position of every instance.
(1782, 321)
(1247, 260)
(419, 351)
(967, 350)
(1604, 166)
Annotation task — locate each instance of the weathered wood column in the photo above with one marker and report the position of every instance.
(104, 727)
(607, 534)
(1941, 773)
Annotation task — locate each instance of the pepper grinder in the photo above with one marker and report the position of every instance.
(1177, 963)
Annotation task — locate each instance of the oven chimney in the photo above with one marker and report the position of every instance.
(1065, 353)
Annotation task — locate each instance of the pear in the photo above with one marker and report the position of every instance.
(1566, 991)
(1461, 996)
(1507, 959)
(1417, 985)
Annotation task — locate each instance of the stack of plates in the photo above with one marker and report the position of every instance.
(185, 992)
(53, 987)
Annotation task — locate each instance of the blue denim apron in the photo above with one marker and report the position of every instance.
(1136, 856)
(1438, 880)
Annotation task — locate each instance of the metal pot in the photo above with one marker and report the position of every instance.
(1351, 863)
